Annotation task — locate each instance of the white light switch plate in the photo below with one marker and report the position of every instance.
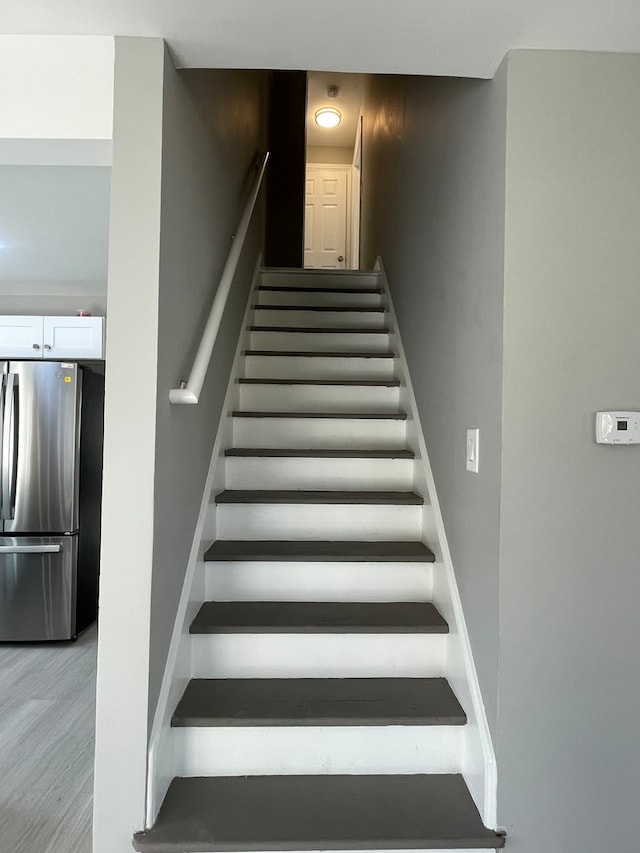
(473, 448)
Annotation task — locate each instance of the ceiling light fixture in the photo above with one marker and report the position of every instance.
(328, 117)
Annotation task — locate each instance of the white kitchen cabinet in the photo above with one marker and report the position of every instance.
(21, 336)
(73, 337)
(68, 338)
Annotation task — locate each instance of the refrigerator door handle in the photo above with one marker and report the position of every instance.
(9, 447)
(2, 399)
(30, 549)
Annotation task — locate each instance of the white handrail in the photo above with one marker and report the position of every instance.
(189, 392)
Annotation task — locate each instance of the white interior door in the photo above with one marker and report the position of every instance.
(325, 220)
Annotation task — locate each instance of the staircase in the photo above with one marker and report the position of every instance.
(318, 716)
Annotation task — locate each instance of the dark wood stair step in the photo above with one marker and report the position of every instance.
(329, 812)
(318, 617)
(278, 353)
(283, 289)
(301, 496)
(319, 702)
(366, 383)
(294, 452)
(365, 416)
(342, 309)
(317, 551)
(322, 330)
(306, 273)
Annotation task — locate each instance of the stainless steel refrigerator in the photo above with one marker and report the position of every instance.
(51, 426)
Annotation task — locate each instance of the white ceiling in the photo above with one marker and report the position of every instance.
(348, 102)
(444, 37)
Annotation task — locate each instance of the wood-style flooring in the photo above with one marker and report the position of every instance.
(47, 713)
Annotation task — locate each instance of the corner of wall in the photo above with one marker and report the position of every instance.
(129, 447)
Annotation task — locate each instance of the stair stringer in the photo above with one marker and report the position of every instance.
(479, 763)
(161, 760)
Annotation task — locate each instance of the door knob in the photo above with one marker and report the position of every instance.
(36, 346)
(340, 258)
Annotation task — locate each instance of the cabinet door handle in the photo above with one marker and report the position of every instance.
(47, 346)
(36, 346)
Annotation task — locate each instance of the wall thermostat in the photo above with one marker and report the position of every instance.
(618, 427)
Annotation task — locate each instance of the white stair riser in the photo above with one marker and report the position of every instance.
(319, 432)
(291, 581)
(239, 751)
(317, 367)
(319, 398)
(318, 473)
(311, 278)
(330, 298)
(331, 319)
(318, 655)
(316, 521)
(331, 342)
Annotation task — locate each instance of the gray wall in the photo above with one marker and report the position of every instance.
(183, 145)
(213, 125)
(568, 748)
(54, 234)
(433, 207)
(528, 346)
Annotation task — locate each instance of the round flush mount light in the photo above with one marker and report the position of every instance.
(328, 117)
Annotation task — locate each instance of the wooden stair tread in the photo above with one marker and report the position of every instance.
(365, 416)
(328, 812)
(324, 496)
(358, 309)
(318, 454)
(322, 330)
(318, 702)
(311, 272)
(318, 617)
(314, 551)
(279, 353)
(284, 289)
(366, 383)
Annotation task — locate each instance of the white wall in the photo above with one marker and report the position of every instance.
(433, 158)
(56, 87)
(183, 148)
(329, 154)
(568, 747)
